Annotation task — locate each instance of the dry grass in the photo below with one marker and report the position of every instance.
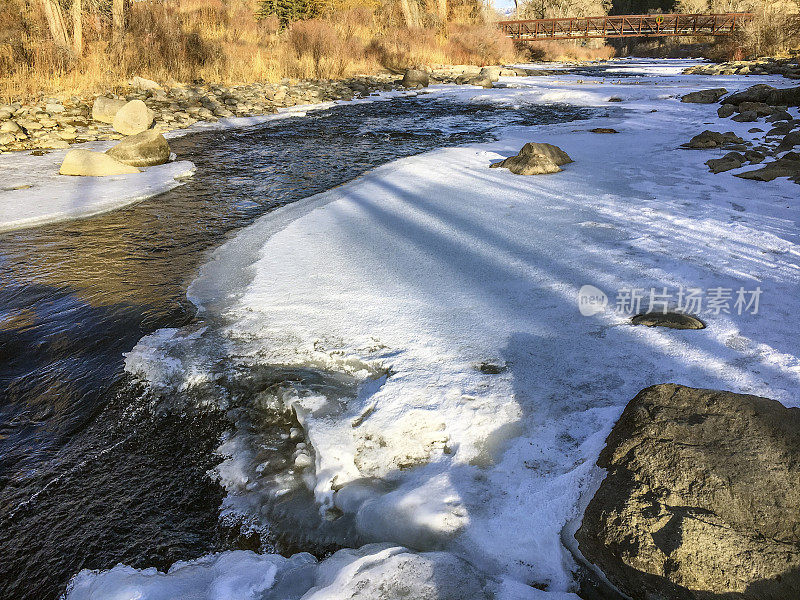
(223, 41)
(555, 50)
(773, 32)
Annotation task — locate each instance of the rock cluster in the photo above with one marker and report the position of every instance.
(535, 159)
(779, 142)
(700, 498)
(50, 123)
(788, 67)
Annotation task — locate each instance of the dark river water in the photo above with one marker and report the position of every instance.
(91, 473)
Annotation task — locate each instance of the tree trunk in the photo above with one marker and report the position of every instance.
(77, 27)
(55, 21)
(406, 8)
(441, 5)
(119, 17)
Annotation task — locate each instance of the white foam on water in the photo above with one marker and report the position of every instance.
(447, 292)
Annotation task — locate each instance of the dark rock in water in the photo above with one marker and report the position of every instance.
(786, 166)
(414, 78)
(747, 116)
(732, 160)
(713, 139)
(700, 500)
(670, 319)
(754, 156)
(603, 130)
(535, 159)
(491, 368)
(789, 141)
(615, 99)
(784, 97)
(756, 93)
(760, 108)
(704, 96)
(726, 110)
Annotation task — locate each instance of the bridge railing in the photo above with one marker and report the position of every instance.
(615, 26)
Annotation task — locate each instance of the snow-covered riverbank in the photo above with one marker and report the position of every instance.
(448, 293)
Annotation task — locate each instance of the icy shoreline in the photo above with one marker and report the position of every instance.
(412, 277)
(33, 193)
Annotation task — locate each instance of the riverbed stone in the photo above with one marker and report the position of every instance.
(535, 159)
(747, 116)
(700, 498)
(105, 109)
(732, 160)
(670, 320)
(94, 164)
(133, 118)
(786, 166)
(144, 84)
(704, 96)
(756, 93)
(713, 139)
(415, 78)
(145, 149)
(725, 111)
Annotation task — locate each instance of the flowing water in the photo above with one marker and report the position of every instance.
(92, 472)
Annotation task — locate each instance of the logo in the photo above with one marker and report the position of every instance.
(591, 300)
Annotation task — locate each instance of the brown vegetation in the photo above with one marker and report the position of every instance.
(564, 50)
(232, 41)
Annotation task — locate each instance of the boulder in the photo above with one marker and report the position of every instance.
(105, 109)
(10, 127)
(725, 111)
(95, 164)
(492, 73)
(732, 160)
(700, 498)
(789, 141)
(670, 320)
(754, 156)
(786, 166)
(535, 159)
(713, 139)
(133, 118)
(603, 130)
(784, 97)
(760, 108)
(481, 80)
(414, 78)
(144, 84)
(747, 116)
(756, 93)
(144, 149)
(704, 96)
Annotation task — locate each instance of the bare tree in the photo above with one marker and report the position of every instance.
(119, 19)
(405, 7)
(77, 27)
(441, 6)
(55, 21)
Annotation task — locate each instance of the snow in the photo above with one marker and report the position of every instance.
(407, 280)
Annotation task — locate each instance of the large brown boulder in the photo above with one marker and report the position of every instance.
(784, 97)
(415, 78)
(755, 93)
(93, 164)
(105, 109)
(704, 96)
(700, 500)
(145, 149)
(133, 118)
(535, 159)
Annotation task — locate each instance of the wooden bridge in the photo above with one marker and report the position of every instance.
(618, 26)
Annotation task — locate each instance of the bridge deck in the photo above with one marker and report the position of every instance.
(616, 26)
